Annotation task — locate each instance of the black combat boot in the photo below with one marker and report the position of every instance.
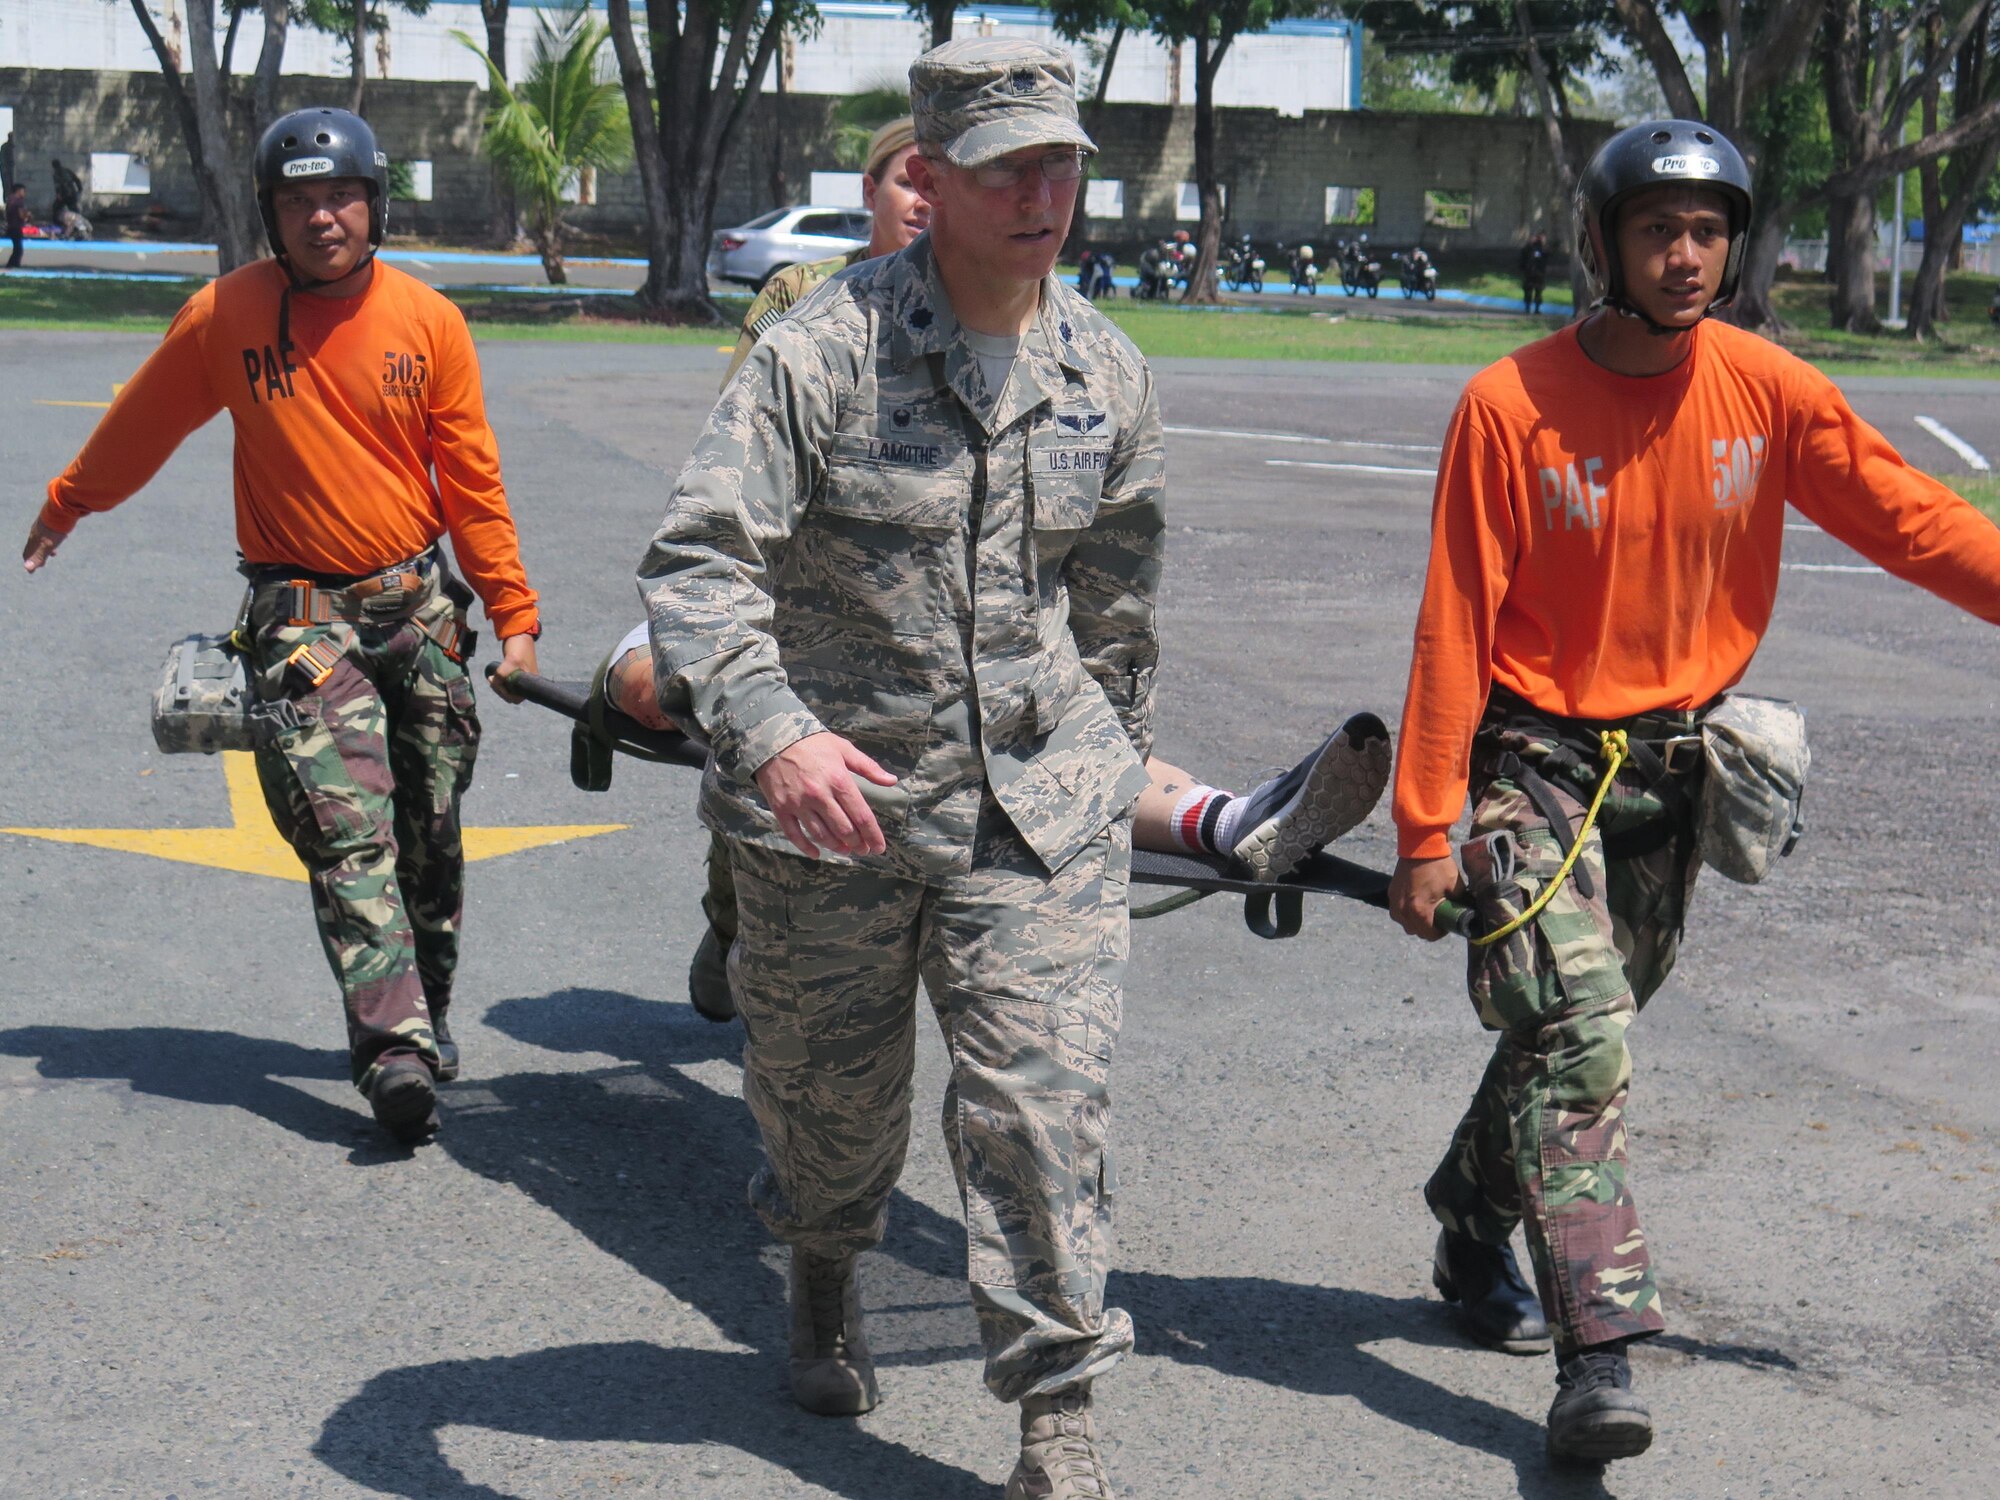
(708, 979)
(1595, 1417)
(447, 1049)
(1496, 1307)
(404, 1099)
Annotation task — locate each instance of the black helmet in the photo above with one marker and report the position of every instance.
(1649, 155)
(317, 143)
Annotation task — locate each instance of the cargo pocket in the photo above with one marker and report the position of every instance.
(1565, 958)
(311, 795)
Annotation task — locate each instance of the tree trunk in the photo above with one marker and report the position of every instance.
(682, 149)
(780, 195)
(1942, 233)
(1103, 91)
(504, 227)
(548, 245)
(1753, 308)
(358, 71)
(236, 242)
(270, 62)
(1538, 69)
(646, 154)
(941, 12)
(1079, 229)
(1208, 55)
(1851, 222)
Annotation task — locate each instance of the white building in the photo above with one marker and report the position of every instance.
(1294, 67)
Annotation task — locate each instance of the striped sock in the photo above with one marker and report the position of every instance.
(1195, 816)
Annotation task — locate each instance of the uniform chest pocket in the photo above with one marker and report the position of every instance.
(1068, 476)
(920, 482)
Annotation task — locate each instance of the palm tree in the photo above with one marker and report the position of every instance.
(564, 118)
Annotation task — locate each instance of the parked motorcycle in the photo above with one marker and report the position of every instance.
(1243, 266)
(1417, 274)
(1360, 271)
(1305, 270)
(1163, 267)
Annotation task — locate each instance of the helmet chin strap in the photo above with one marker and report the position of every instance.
(1627, 309)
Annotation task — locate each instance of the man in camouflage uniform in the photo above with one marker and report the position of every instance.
(350, 466)
(1606, 536)
(905, 586)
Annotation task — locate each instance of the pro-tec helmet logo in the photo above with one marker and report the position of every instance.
(1686, 166)
(309, 166)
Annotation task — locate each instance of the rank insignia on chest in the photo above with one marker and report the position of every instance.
(1068, 334)
(900, 418)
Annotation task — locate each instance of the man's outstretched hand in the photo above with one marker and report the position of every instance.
(42, 544)
(810, 786)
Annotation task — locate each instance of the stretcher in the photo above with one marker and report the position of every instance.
(1271, 909)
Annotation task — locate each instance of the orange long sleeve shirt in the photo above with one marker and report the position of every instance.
(1605, 545)
(360, 450)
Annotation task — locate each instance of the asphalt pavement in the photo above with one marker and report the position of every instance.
(217, 1278)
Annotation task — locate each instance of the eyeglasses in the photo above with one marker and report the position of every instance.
(1056, 166)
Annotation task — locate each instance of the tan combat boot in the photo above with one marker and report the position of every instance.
(833, 1373)
(1059, 1450)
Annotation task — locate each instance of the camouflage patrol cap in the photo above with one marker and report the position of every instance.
(979, 98)
(896, 136)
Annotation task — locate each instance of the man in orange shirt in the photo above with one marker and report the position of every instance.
(1604, 555)
(349, 385)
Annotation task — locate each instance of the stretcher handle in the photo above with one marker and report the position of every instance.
(1456, 916)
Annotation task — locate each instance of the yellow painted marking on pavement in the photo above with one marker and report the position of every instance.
(116, 387)
(251, 845)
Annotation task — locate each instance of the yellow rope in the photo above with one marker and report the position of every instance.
(1614, 748)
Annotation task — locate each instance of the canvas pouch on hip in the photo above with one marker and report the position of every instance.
(203, 702)
(1757, 758)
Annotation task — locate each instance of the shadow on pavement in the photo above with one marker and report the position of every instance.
(386, 1437)
(649, 1164)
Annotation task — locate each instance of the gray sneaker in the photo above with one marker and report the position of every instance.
(833, 1374)
(1294, 815)
(1059, 1459)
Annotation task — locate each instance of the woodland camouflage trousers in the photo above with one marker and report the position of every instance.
(364, 784)
(1544, 1139)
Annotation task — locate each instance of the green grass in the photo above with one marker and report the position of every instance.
(1340, 332)
(1338, 329)
(1983, 490)
(147, 306)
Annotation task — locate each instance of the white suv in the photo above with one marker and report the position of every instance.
(785, 237)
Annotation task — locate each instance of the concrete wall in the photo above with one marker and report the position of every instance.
(1276, 169)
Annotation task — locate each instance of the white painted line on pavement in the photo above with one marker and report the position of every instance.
(424, 263)
(1974, 459)
(1794, 526)
(1831, 568)
(1298, 437)
(1301, 463)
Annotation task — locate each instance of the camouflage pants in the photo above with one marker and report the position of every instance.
(365, 788)
(1024, 972)
(1544, 1138)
